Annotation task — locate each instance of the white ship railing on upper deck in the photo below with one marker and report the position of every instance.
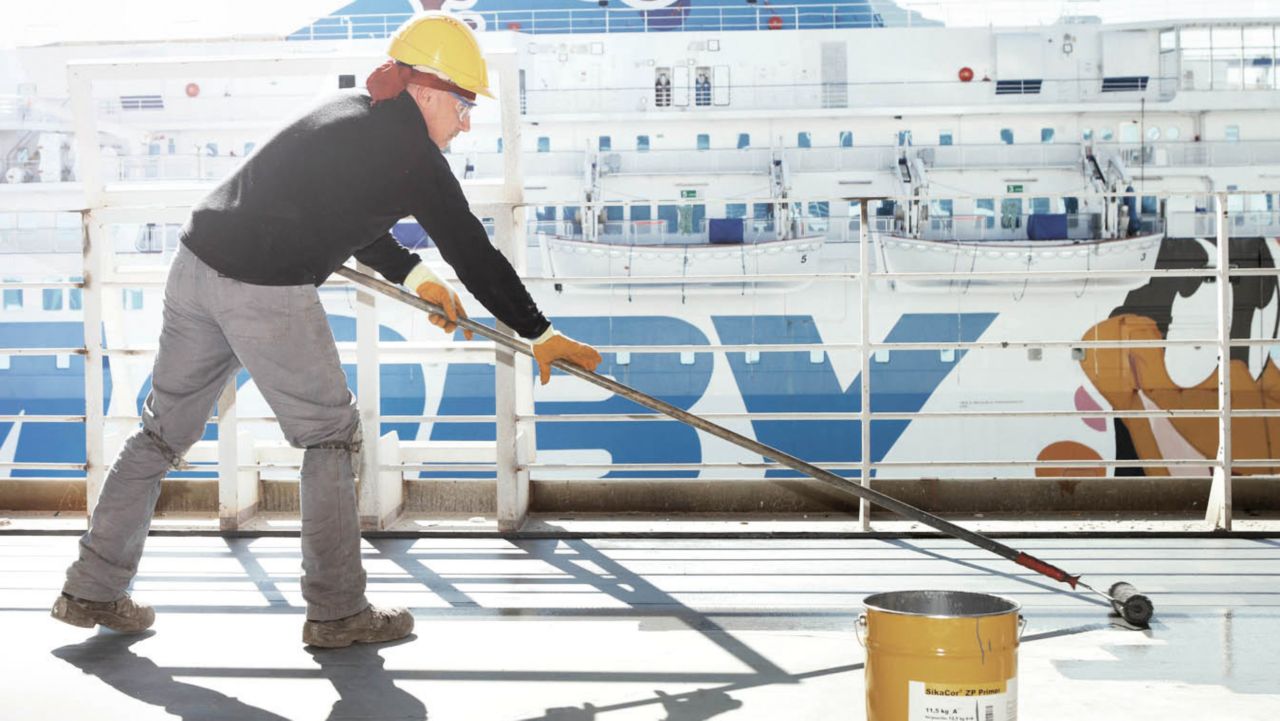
(569, 163)
(621, 20)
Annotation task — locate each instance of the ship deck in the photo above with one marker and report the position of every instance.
(574, 629)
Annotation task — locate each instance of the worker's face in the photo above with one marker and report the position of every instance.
(446, 114)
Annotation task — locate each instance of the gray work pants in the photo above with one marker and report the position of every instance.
(212, 326)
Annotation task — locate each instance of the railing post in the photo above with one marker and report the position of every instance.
(373, 516)
(1218, 508)
(513, 392)
(95, 255)
(233, 505)
(864, 349)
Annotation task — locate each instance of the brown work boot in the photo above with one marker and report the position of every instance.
(372, 625)
(124, 615)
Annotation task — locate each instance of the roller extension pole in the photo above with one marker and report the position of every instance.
(1134, 607)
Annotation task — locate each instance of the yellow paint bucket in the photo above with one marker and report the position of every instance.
(941, 656)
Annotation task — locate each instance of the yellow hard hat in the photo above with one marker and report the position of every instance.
(438, 41)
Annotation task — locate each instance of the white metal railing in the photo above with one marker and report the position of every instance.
(201, 166)
(514, 413)
(619, 19)
(772, 16)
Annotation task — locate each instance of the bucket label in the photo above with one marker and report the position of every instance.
(995, 701)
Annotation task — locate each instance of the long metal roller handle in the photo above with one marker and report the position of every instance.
(843, 485)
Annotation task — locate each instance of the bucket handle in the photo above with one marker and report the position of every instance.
(860, 628)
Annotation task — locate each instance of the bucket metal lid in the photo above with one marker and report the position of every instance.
(941, 604)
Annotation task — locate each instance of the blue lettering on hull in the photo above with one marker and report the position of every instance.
(782, 382)
(35, 385)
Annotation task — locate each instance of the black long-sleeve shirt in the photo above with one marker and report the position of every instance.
(331, 185)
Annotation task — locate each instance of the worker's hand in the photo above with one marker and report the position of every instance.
(553, 346)
(433, 289)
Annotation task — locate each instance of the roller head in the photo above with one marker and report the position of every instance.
(1132, 606)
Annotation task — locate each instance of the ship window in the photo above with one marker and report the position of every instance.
(132, 299)
(1232, 133)
(662, 87)
(613, 212)
(1046, 135)
(1153, 133)
(1086, 134)
(642, 143)
(1010, 213)
(846, 138)
(904, 138)
(1006, 136)
(211, 150)
(1172, 133)
(641, 212)
(819, 209)
(1169, 40)
(622, 357)
(75, 296)
(744, 140)
(12, 296)
(945, 137)
(52, 299)
(1070, 205)
(762, 211)
(1107, 135)
(704, 141)
(248, 147)
(702, 87)
(1040, 205)
(670, 214)
(1258, 57)
(941, 207)
(1150, 205)
(804, 139)
(986, 209)
(735, 210)
(544, 144)
(605, 142)
(499, 145)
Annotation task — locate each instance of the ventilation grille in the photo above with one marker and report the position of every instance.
(1018, 87)
(141, 102)
(1125, 84)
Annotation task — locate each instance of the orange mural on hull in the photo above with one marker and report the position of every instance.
(1069, 451)
(1137, 379)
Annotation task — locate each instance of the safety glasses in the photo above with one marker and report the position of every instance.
(464, 107)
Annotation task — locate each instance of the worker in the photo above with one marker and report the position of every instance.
(242, 292)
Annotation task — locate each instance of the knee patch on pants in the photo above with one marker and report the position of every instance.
(352, 446)
(174, 457)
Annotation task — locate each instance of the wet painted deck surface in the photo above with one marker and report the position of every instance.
(671, 629)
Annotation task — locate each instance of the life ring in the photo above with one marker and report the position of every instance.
(192, 90)
(775, 22)
(966, 74)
